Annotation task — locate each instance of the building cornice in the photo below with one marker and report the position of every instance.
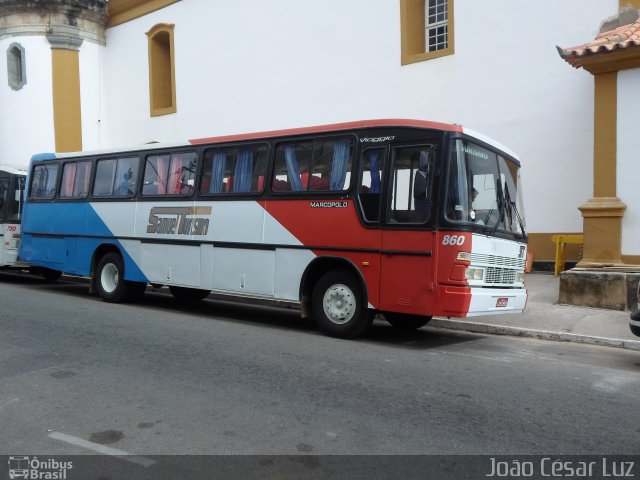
(85, 19)
(122, 11)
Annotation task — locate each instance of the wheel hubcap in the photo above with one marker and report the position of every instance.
(339, 304)
(109, 277)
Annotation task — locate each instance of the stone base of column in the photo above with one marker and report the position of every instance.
(602, 232)
(602, 288)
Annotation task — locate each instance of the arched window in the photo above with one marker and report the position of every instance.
(162, 83)
(16, 71)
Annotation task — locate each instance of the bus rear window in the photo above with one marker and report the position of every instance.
(43, 181)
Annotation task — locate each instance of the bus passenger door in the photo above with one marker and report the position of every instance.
(407, 282)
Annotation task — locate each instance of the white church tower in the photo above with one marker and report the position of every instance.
(50, 78)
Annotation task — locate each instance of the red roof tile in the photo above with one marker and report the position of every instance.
(624, 37)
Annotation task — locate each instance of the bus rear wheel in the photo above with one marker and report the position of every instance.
(339, 307)
(406, 322)
(184, 294)
(110, 283)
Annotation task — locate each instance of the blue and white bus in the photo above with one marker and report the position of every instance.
(407, 218)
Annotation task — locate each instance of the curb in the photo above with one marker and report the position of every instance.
(531, 333)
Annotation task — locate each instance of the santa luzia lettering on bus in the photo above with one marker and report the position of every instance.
(406, 218)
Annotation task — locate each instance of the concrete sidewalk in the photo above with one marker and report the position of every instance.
(544, 318)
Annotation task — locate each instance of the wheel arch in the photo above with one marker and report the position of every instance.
(320, 266)
(100, 251)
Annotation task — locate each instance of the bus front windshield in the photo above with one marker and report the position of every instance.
(483, 189)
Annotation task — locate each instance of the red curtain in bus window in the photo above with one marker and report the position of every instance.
(69, 179)
(175, 175)
(83, 174)
(161, 165)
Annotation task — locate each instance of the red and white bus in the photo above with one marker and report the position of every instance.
(407, 218)
(12, 183)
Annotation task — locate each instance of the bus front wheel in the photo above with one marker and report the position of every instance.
(339, 307)
(110, 282)
(403, 321)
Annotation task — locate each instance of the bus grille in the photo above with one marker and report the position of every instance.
(479, 258)
(500, 275)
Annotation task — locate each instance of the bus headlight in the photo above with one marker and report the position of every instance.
(520, 277)
(474, 274)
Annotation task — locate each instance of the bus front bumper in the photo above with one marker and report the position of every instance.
(492, 301)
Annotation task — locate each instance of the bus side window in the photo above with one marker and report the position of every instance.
(43, 181)
(75, 180)
(318, 166)
(410, 192)
(116, 177)
(370, 182)
(234, 170)
(331, 165)
(292, 162)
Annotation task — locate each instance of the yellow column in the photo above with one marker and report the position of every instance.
(603, 213)
(632, 3)
(67, 115)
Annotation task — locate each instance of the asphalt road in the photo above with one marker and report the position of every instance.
(220, 378)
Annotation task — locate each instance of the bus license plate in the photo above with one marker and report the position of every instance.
(502, 302)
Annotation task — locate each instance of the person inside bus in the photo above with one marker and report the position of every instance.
(472, 213)
(421, 181)
(124, 187)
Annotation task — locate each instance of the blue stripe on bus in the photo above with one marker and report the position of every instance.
(66, 223)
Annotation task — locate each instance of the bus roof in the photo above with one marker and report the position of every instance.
(331, 128)
(14, 169)
(334, 127)
(491, 142)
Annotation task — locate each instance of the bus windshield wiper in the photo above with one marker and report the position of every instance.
(515, 209)
(501, 205)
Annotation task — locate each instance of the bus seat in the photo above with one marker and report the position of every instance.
(304, 180)
(280, 186)
(320, 183)
(150, 189)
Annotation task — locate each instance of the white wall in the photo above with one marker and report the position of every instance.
(26, 115)
(627, 161)
(253, 65)
(90, 95)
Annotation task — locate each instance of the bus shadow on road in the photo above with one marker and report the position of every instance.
(423, 338)
(217, 310)
(288, 319)
(33, 280)
(222, 310)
